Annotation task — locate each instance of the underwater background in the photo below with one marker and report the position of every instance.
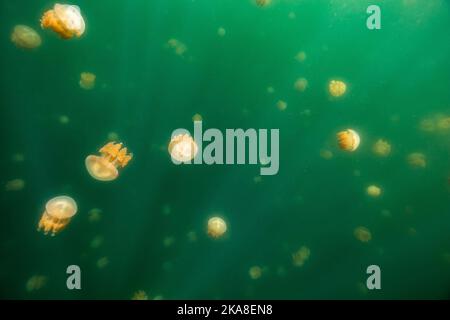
(144, 234)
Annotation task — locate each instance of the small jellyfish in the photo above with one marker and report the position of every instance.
(177, 46)
(362, 234)
(381, 148)
(94, 215)
(443, 123)
(326, 154)
(270, 90)
(197, 117)
(281, 105)
(87, 80)
(96, 242)
(301, 84)
(18, 157)
(255, 272)
(192, 236)
(25, 37)
(105, 167)
(15, 185)
(301, 256)
(221, 32)
(263, 3)
(139, 295)
(102, 262)
(292, 15)
(36, 282)
(168, 241)
(63, 119)
(64, 19)
(337, 88)
(348, 140)
(417, 160)
(427, 125)
(183, 148)
(300, 56)
(216, 227)
(373, 191)
(57, 215)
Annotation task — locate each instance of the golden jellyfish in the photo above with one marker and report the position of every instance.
(87, 80)
(281, 105)
(443, 123)
(270, 90)
(373, 191)
(102, 262)
(139, 295)
(25, 37)
(36, 282)
(337, 88)
(301, 84)
(362, 234)
(177, 46)
(64, 19)
(255, 272)
(57, 215)
(427, 125)
(105, 167)
(15, 185)
(216, 227)
(381, 148)
(417, 160)
(301, 56)
(348, 140)
(263, 3)
(197, 117)
(326, 154)
(301, 256)
(183, 148)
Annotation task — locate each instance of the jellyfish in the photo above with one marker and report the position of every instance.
(381, 148)
(94, 215)
(373, 191)
(64, 19)
(87, 80)
(337, 88)
(57, 215)
(292, 15)
(18, 157)
(362, 234)
(25, 37)
(96, 242)
(301, 56)
(216, 227)
(36, 282)
(270, 90)
(168, 241)
(102, 262)
(63, 119)
(417, 160)
(177, 46)
(255, 272)
(263, 3)
(197, 117)
(348, 140)
(326, 154)
(301, 84)
(221, 32)
(281, 105)
(301, 256)
(105, 167)
(443, 123)
(15, 185)
(139, 295)
(183, 148)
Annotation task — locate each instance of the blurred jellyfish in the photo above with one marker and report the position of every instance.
(216, 227)
(63, 119)
(25, 37)
(105, 167)
(427, 125)
(36, 282)
(381, 148)
(263, 3)
(337, 88)
(96, 242)
(221, 32)
(443, 123)
(18, 157)
(183, 148)
(94, 215)
(87, 80)
(66, 20)
(139, 295)
(15, 185)
(168, 241)
(362, 234)
(113, 136)
(255, 272)
(192, 236)
(326, 154)
(102, 262)
(417, 160)
(301, 256)
(373, 191)
(292, 15)
(270, 90)
(57, 215)
(281, 105)
(300, 56)
(301, 84)
(197, 117)
(348, 140)
(177, 46)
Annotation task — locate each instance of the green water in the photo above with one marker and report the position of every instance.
(397, 77)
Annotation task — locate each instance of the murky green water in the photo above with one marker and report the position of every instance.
(151, 232)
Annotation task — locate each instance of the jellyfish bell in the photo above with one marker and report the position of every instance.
(348, 140)
(381, 148)
(64, 19)
(57, 215)
(106, 166)
(25, 37)
(263, 3)
(216, 227)
(183, 148)
(337, 88)
(87, 80)
(373, 191)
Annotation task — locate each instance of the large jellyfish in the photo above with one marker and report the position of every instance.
(417, 160)
(25, 37)
(348, 140)
(183, 148)
(216, 227)
(381, 148)
(105, 167)
(57, 215)
(64, 19)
